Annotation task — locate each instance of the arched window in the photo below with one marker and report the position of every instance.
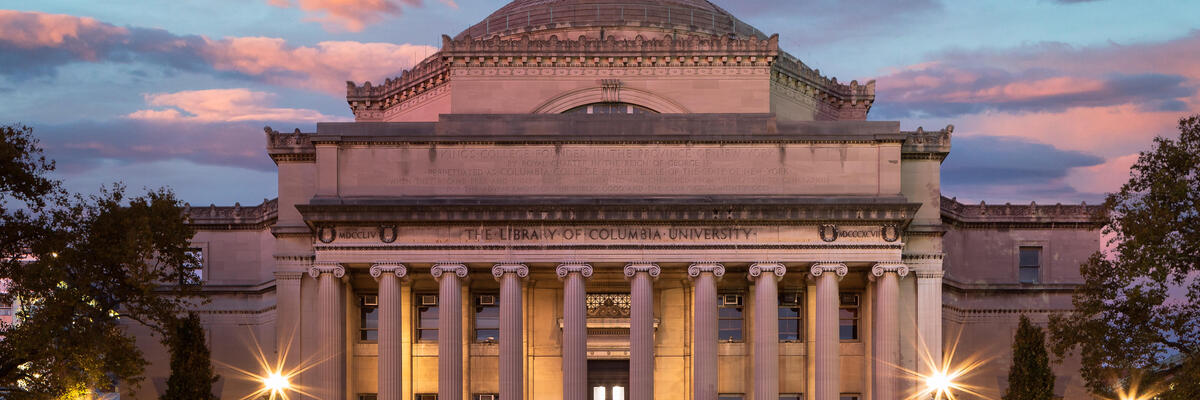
(610, 108)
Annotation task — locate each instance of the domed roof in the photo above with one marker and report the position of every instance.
(699, 16)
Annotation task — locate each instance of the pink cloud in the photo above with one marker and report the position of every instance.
(35, 43)
(1103, 178)
(326, 66)
(351, 15)
(218, 105)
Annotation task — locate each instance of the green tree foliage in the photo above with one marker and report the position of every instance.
(1139, 306)
(84, 269)
(1029, 377)
(191, 370)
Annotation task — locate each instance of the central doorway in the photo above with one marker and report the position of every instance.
(608, 379)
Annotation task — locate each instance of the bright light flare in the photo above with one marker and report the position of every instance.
(1133, 390)
(945, 381)
(276, 382)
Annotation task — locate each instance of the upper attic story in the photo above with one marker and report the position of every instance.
(666, 56)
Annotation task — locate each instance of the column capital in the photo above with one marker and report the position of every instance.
(650, 268)
(319, 268)
(758, 268)
(379, 269)
(566, 269)
(836, 268)
(696, 269)
(881, 268)
(499, 270)
(457, 269)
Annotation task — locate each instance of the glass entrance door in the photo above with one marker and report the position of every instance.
(608, 379)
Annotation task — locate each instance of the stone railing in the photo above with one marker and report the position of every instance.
(922, 144)
(229, 216)
(1032, 212)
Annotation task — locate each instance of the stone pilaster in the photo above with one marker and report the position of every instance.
(287, 311)
(887, 328)
(332, 376)
(827, 374)
(512, 358)
(389, 276)
(641, 329)
(704, 329)
(574, 350)
(929, 319)
(450, 336)
(766, 277)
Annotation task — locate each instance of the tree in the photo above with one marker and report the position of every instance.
(191, 370)
(82, 267)
(1139, 306)
(1029, 377)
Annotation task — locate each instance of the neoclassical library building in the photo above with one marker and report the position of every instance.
(621, 199)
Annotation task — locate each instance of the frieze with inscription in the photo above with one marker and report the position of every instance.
(605, 234)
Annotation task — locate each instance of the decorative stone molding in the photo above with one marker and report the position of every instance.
(288, 275)
(837, 268)
(881, 268)
(757, 270)
(575, 98)
(456, 269)
(696, 269)
(499, 270)
(930, 274)
(379, 269)
(319, 268)
(233, 218)
(565, 269)
(1032, 215)
(633, 268)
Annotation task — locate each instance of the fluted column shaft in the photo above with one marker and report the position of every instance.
(450, 344)
(766, 278)
(390, 328)
(574, 349)
(887, 335)
(827, 339)
(704, 329)
(511, 355)
(641, 329)
(332, 335)
(929, 317)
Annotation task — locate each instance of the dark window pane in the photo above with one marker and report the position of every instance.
(791, 397)
(1029, 275)
(847, 313)
(731, 312)
(729, 397)
(428, 334)
(1031, 256)
(789, 329)
(848, 330)
(487, 335)
(368, 335)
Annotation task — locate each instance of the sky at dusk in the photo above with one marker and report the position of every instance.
(1051, 100)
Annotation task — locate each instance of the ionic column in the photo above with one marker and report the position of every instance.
(389, 276)
(887, 329)
(766, 277)
(574, 349)
(704, 329)
(450, 344)
(826, 360)
(641, 329)
(929, 318)
(331, 329)
(511, 356)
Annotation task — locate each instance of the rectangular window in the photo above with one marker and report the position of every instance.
(848, 316)
(486, 396)
(425, 396)
(791, 396)
(487, 318)
(1031, 264)
(791, 317)
(195, 266)
(845, 396)
(368, 396)
(427, 317)
(368, 318)
(730, 396)
(729, 318)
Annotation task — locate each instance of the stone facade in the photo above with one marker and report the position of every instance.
(589, 201)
